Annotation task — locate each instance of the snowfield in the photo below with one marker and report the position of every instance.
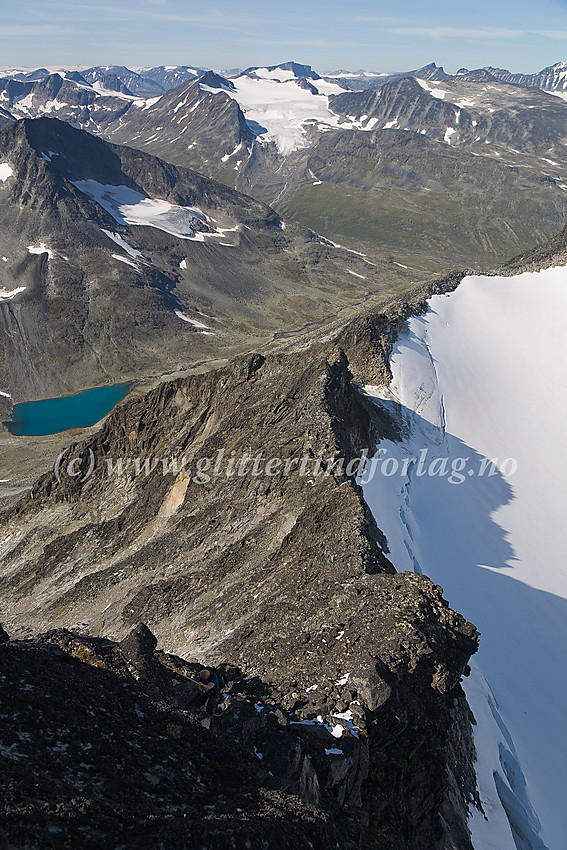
(132, 252)
(481, 376)
(41, 249)
(278, 111)
(127, 206)
(181, 315)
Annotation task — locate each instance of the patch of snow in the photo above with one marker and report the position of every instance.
(389, 125)
(344, 679)
(450, 131)
(345, 715)
(98, 88)
(180, 104)
(227, 156)
(128, 262)
(5, 395)
(8, 294)
(202, 236)
(438, 93)
(127, 206)
(561, 94)
(183, 264)
(316, 181)
(310, 688)
(193, 322)
(356, 274)
(132, 252)
(336, 731)
(5, 171)
(41, 249)
(278, 74)
(147, 104)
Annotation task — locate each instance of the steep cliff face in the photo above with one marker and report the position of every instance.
(278, 569)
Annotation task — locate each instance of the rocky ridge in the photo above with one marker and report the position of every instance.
(285, 576)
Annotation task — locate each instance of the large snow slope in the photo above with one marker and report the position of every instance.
(483, 375)
(280, 111)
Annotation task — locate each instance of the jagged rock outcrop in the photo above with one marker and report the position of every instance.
(91, 759)
(65, 97)
(198, 127)
(552, 78)
(93, 751)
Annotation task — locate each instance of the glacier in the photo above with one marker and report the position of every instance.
(474, 496)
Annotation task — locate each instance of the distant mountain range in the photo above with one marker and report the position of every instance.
(425, 172)
(552, 79)
(268, 131)
(142, 83)
(116, 264)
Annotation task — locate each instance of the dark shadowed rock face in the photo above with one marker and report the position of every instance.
(91, 758)
(94, 752)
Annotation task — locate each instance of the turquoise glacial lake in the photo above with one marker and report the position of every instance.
(53, 415)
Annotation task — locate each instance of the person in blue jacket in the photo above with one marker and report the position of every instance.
(209, 693)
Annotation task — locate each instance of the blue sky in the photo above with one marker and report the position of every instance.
(380, 36)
